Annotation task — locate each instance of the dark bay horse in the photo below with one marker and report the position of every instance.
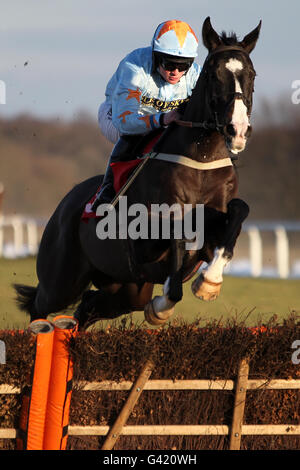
(214, 126)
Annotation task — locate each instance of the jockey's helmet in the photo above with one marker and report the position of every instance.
(175, 38)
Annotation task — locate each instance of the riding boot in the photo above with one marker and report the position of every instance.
(123, 151)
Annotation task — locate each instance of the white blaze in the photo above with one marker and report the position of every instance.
(240, 120)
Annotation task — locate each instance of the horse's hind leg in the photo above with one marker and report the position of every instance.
(40, 302)
(208, 284)
(61, 296)
(112, 302)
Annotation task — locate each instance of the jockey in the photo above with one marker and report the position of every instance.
(144, 92)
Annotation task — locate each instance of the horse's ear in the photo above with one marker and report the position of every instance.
(249, 41)
(210, 38)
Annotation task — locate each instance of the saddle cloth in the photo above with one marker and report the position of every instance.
(121, 171)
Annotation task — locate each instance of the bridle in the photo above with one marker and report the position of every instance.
(216, 124)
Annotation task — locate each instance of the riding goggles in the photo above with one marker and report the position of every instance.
(170, 66)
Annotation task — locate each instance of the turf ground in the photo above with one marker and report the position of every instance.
(245, 299)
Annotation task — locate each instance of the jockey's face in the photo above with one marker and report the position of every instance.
(171, 76)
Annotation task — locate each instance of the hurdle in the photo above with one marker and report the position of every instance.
(46, 403)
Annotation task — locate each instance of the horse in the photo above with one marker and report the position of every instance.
(194, 165)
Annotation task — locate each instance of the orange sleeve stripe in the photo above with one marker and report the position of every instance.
(147, 119)
(123, 115)
(134, 94)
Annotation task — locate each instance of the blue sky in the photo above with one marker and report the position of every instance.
(72, 47)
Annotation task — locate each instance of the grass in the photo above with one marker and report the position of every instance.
(20, 271)
(249, 299)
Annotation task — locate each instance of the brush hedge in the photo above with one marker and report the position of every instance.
(179, 351)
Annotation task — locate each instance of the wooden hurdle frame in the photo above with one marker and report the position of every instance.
(235, 431)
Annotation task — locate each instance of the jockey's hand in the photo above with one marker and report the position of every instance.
(171, 116)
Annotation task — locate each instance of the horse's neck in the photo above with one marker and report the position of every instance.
(196, 109)
(197, 143)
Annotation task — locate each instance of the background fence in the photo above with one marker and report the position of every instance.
(264, 249)
(20, 235)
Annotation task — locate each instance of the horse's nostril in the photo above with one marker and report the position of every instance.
(230, 130)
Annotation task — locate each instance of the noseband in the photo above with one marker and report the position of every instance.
(216, 125)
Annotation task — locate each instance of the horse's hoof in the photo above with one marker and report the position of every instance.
(206, 290)
(156, 318)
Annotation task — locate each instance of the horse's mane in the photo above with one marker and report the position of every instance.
(229, 40)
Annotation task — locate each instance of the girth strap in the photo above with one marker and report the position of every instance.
(186, 161)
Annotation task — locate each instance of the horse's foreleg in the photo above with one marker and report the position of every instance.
(208, 284)
(162, 307)
(159, 309)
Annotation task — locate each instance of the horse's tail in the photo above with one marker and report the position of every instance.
(25, 297)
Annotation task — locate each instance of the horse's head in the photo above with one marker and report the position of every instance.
(229, 75)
